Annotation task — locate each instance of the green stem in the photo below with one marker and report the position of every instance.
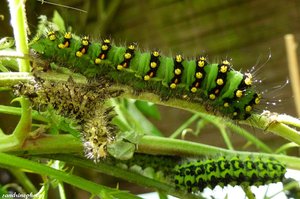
(23, 180)
(18, 111)
(224, 134)
(19, 24)
(248, 192)
(9, 161)
(121, 173)
(249, 137)
(184, 126)
(271, 124)
(285, 147)
(221, 123)
(44, 145)
(12, 78)
(148, 144)
(166, 146)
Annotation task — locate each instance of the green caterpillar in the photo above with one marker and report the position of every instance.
(195, 176)
(221, 89)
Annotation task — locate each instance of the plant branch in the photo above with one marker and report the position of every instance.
(9, 161)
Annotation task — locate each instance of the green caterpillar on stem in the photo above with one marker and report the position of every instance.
(195, 176)
(223, 171)
(216, 86)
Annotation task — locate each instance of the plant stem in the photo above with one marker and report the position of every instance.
(12, 161)
(19, 24)
(44, 145)
(166, 146)
(121, 173)
(23, 180)
(184, 126)
(147, 144)
(12, 78)
(271, 124)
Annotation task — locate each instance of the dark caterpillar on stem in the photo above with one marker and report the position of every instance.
(217, 86)
(82, 103)
(195, 176)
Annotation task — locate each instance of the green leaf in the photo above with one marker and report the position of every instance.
(59, 21)
(148, 109)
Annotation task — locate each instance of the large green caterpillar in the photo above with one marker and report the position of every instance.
(195, 176)
(220, 88)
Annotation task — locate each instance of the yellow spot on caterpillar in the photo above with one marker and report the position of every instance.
(177, 71)
(225, 62)
(212, 96)
(97, 61)
(104, 47)
(178, 58)
(155, 53)
(120, 67)
(248, 108)
(85, 41)
(153, 64)
(220, 82)
(226, 104)
(79, 54)
(223, 69)
(68, 35)
(51, 35)
(199, 75)
(248, 79)
(257, 99)
(201, 61)
(173, 85)
(146, 77)
(107, 41)
(239, 93)
(127, 56)
(131, 47)
(193, 89)
(65, 45)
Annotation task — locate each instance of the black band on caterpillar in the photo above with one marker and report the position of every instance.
(195, 176)
(83, 104)
(218, 86)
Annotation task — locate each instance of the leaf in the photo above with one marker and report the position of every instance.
(148, 109)
(58, 20)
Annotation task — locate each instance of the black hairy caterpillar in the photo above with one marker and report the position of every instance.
(218, 86)
(195, 176)
(82, 103)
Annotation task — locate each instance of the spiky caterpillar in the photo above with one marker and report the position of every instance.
(82, 103)
(218, 86)
(195, 176)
